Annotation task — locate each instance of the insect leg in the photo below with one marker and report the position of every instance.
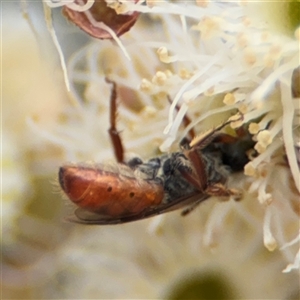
(113, 132)
(225, 138)
(220, 190)
(204, 140)
(214, 190)
(196, 176)
(190, 208)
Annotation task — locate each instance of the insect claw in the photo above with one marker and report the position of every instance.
(189, 209)
(236, 194)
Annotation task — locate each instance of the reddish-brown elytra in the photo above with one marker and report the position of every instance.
(135, 190)
(109, 193)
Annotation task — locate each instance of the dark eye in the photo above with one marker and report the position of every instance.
(134, 162)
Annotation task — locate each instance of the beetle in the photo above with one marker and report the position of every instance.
(136, 189)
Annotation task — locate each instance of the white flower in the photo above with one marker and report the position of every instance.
(212, 60)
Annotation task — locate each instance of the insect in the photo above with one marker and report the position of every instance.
(136, 190)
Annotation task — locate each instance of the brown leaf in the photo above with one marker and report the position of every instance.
(101, 13)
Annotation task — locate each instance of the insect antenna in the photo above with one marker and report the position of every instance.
(203, 140)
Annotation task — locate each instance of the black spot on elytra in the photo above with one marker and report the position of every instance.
(109, 189)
